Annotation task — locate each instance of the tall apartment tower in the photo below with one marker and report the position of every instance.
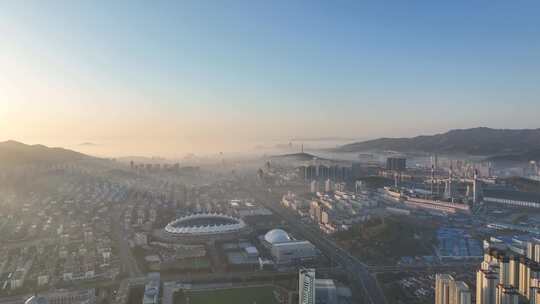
(507, 295)
(449, 291)
(477, 189)
(306, 286)
(314, 186)
(486, 284)
(442, 288)
(448, 189)
(461, 293)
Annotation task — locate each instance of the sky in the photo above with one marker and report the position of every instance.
(175, 77)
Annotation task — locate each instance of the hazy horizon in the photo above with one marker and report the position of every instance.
(171, 78)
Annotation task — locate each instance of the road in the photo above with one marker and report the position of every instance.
(129, 263)
(421, 268)
(357, 271)
(28, 243)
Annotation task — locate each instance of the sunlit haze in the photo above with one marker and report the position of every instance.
(269, 152)
(175, 77)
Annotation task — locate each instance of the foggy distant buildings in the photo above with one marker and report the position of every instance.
(322, 172)
(398, 164)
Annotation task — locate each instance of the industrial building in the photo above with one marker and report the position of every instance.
(414, 200)
(455, 243)
(512, 198)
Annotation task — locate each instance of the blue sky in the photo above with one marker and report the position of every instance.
(276, 68)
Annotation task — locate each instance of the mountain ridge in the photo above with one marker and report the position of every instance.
(16, 153)
(474, 141)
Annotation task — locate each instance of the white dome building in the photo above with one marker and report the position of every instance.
(275, 236)
(286, 250)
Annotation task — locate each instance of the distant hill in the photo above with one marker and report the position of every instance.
(16, 153)
(516, 157)
(476, 141)
(295, 157)
(88, 144)
(142, 159)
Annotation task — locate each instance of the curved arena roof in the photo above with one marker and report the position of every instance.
(205, 224)
(275, 236)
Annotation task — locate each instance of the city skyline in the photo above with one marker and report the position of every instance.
(174, 78)
(270, 152)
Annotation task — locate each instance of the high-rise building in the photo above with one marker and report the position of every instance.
(435, 162)
(535, 292)
(328, 185)
(486, 282)
(448, 189)
(314, 186)
(442, 288)
(315, 211)
(323, 172)
(504, 276)
(460, 293)
(306, 286)
(514, 271)
(524, 277)
(506, 295)
(450, 291)
(477, 190)
(396, 164)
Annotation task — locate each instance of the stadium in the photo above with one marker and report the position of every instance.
(203, 227)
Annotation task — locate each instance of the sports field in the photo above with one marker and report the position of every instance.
(252, 295)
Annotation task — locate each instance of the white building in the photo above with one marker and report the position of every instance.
(314, 186)
(140, 239)
(43, 280)
(306, 286)
(328, 185)
(286, 250)
(151, 289)
(325, 291)
(80, 296)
